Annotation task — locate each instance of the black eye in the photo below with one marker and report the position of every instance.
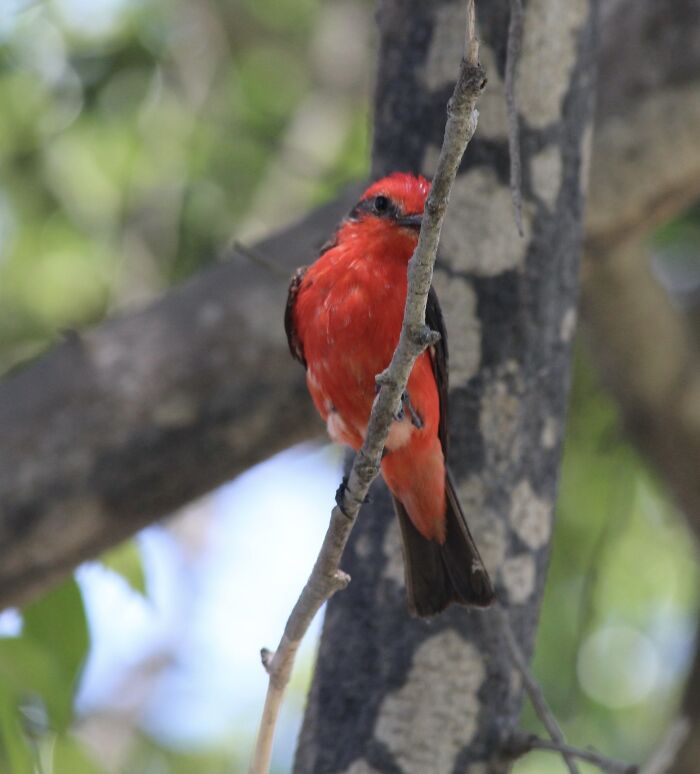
(381, 204)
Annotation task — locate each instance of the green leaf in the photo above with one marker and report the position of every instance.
(125, 560)
(57, 626)
(57, 620)
(15, 753)
(70, 757)
(28, 671)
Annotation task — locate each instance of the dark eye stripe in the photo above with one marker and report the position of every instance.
(381, 204)
(368, 207)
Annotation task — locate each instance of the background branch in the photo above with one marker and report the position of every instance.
(86, 457)
(521, 744)
(668, 756)
(649, 361)
(534, 691)
(123, 424)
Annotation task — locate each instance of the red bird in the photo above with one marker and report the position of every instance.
(343, 321)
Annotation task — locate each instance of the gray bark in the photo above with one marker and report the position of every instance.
(646, 161)
(120, 426)
(89, 451)
(62, 415)
(391, 693)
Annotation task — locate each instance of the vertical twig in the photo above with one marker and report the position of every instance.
(533, 689)
(326, 578)
(471, 39)
(515, 34)
(665, 754)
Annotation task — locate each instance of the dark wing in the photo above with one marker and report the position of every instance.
(438, 574)
(295, 345)
(329, 244)
(438, 357)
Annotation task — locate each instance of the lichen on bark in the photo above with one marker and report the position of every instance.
(511, 392)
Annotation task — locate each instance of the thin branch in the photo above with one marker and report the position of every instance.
(255, 257)
(471, 47)
(521, 744)
(665, 754)
(515, 35)
(534, 691)
(659, 762)
(325, 577)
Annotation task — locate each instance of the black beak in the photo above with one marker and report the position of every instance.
(410, 221)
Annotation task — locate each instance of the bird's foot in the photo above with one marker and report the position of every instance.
(400, 415)
(416, 419)
(340, 495)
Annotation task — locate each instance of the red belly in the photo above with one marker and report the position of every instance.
(349, 328)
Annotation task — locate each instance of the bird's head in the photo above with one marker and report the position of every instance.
(390, 209)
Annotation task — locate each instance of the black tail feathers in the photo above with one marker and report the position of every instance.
(436, 574)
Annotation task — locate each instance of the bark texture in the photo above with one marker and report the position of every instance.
(646, 160)
(120, 426)
(115, 429)
(391, 693)
(63, 415)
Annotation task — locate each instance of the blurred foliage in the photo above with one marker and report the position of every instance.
(125, 560)
(39, 672)
(619, 610)
(135, 138)
(676, 264)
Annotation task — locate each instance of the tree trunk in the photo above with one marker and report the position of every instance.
(67, 414)
(391, 693)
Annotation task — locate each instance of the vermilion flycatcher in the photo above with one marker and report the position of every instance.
(343, 321)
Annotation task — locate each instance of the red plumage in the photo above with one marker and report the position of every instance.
(343, 321)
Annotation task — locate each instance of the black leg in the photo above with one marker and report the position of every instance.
(340, 495)
(416, 419)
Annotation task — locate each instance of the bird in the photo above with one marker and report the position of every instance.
(343, 320)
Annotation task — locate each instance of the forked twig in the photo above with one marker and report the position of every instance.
(521, 744)
(659, 762)
(326, 578)
(533, 689)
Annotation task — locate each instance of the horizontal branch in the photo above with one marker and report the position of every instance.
(660, 762)
(122, 425)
